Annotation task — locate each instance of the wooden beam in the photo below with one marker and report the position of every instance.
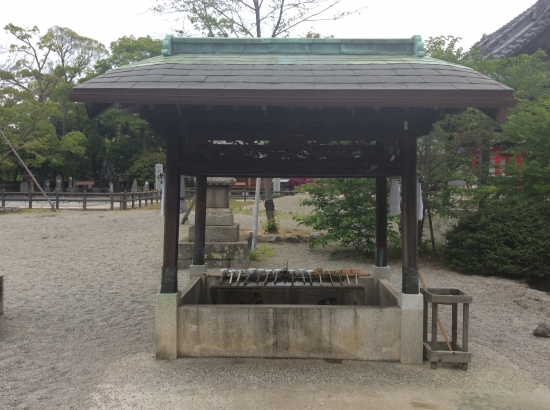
(410, 214)
(312, 169)
(169, 282)
(200, 220)
(381, 257)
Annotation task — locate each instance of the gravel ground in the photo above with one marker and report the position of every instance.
(78, 326)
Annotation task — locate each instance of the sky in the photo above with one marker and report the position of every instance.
(108, 20)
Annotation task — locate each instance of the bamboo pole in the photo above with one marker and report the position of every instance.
(438, 318)
(189, 209)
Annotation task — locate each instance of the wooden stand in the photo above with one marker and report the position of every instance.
(436, 351)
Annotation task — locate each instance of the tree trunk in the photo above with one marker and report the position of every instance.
(258, 21)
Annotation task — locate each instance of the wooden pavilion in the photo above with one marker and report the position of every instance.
(302, 95)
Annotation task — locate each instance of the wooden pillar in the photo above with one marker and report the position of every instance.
(381, 257)
(171, 216)
(200, 220)
(410, 214)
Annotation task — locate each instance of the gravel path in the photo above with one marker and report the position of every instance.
(78, 324)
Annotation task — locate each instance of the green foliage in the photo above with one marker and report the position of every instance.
(270, 226)
(263, 253)
(345, 209)
(509, 238)
(53, 135)
(446, 48)
(527, 132)
(128, 50)
(447, 153)
(144, 168)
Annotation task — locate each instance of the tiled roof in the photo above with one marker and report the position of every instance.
(266, 73)
(521, 35)
(266, 78)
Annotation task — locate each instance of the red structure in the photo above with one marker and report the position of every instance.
(499, 160)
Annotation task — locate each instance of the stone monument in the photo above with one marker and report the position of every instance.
(58, 183)
(224, 248)
(159, 171)
(134, 186)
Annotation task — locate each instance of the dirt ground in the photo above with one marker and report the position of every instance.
(78, 332)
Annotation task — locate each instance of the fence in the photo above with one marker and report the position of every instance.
(114, 200)
(82, 200)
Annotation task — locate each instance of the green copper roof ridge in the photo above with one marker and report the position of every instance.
(413, 46)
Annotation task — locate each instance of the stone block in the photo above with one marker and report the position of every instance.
(167, 323)
(387, 294)
(411, 328)
(216, 250)
(218, 233)
(217, 196)
(209, 263)
(219, 217)
(324, 332)
(196, 271)
(380, 273)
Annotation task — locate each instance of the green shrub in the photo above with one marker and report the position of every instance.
(345, 208)
(271, 226)
(262, 253)
(506, 238)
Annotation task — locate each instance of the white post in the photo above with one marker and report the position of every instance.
(277, 186)
(256, 211)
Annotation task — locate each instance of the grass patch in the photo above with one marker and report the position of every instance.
(263, 253)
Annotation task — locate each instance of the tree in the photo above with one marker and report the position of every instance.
(34, 85)
(128, 50)
(447, 153)
(346, 209)
(143, 168)
(251, 18)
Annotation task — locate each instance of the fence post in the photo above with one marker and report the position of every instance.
(112, 199)
(30, 199)
(56, 199)
(146, 196)
(125, 199)
(3, 198)
(139, 199)
(133, 200)
(84, 200)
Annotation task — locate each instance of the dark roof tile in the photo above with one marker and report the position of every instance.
(384, 86)
(431, 86)
(158, 85)
(444, 79)
(111, 85)
(145, 77)
(341, 86)
(292, 86)
(401, 79)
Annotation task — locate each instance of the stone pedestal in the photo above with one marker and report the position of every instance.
(167, 322)
(224, 247)
(411, 328)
